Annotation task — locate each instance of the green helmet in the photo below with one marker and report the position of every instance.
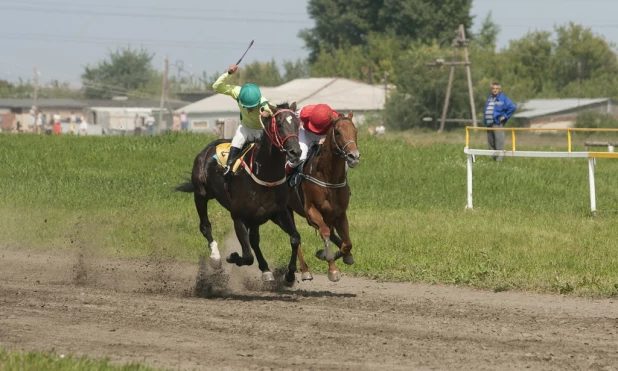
(249, 96)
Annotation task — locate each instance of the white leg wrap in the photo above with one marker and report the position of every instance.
(215, 255)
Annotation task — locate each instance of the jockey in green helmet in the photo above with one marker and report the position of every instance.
(253, 106)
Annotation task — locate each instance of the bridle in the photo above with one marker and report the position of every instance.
(272, 130)
(340, 151)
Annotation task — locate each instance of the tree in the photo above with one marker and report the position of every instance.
(344, 23)
(488, 35)
(365, 63)
(125, 70)
(296, 70)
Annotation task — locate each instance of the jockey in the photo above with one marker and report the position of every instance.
(315, 122)
(252, 106)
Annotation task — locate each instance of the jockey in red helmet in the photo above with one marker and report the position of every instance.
(315, 122)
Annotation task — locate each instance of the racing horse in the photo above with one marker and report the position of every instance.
(321, 194)
(255, 194)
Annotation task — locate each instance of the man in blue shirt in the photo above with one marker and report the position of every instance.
(498, 109)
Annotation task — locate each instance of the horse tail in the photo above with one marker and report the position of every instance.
(187, 187)
(198, 182)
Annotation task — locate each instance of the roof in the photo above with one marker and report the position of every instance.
(78, 104)
(544, 107)
(339, 93)
(42, 103)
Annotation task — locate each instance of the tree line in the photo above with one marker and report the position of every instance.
(363, 39)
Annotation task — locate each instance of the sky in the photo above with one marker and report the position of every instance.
(61, 37)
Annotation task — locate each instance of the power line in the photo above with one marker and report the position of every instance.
(141, 8)
(108, 41)
(187, 17)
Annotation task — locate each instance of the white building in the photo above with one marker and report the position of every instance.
(341, 94)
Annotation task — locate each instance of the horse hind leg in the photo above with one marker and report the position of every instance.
(297, 253)
(327, 254)
(201, 204)
(254, 238)
(345, 249)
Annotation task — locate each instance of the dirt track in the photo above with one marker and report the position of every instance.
(151, 311)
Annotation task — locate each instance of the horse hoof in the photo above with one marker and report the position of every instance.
(334, 276)
(289, 283)
(348, 259)
(322, 255)
(307, 276)
(215, 263)
(268, 277)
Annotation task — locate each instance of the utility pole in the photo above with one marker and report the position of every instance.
(459, 42)
(462, 37)
(385, 90)
(579, 82)
(36, 92)
(162, 126)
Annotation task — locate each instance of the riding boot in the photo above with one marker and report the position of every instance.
(231, 159)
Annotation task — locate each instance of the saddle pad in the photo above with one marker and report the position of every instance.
(223, 150)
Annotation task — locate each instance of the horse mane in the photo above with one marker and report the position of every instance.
(284, 105)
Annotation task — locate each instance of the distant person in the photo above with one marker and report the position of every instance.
(57, 125)
(39, 123)
(380, 130)
(49, 125)
(184, 121)
(150, 120)
(498, 110)
(32, 121)
(137, 122)
(18, 127)
(176, 122)
(83, 126)
(72, 122)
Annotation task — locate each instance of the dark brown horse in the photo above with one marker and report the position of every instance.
(255, 194)
(323, 195)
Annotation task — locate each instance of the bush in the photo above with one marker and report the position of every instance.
(595, 120)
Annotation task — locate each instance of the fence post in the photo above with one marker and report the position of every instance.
(593, 202)
(469, 170)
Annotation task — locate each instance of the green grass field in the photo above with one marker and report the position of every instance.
(36, 361)
(530, 230)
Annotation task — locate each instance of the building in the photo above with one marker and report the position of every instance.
(341, 94)
(19, 110)
(115, 116)
(561, 113)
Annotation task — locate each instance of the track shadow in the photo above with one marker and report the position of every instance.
(210, 284)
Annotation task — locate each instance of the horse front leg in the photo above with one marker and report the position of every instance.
(315, 218)
(254, 238)
(304, 268)
(243, 237)
(285, 221)
(345, 249)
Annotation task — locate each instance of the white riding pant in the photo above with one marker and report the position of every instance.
(244, 134)
(306, 139)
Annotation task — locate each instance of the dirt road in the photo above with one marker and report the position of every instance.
(176, 316)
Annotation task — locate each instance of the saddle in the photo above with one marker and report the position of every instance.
(223, 150)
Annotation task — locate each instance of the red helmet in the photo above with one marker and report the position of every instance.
(319, 119)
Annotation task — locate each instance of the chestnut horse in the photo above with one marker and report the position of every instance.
(324, 194)
(255, 194)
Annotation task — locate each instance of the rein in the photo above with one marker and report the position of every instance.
(277, 141)
(275, 137)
